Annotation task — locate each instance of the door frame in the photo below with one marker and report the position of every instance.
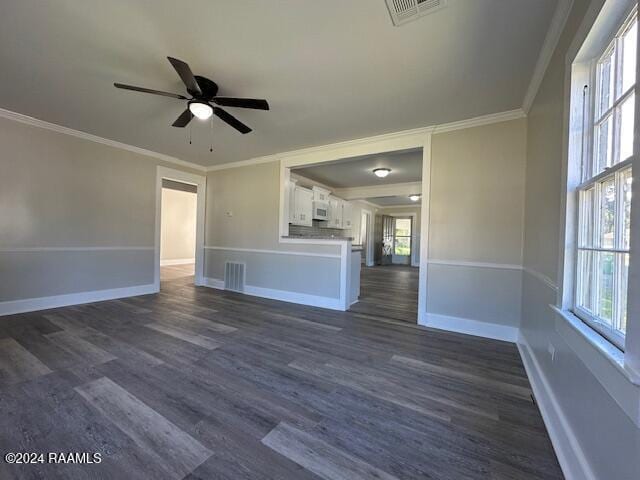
(391, 142)
(413, 262)
(200, 182)
(368, 248)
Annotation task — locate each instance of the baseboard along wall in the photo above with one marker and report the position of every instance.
(44, 303)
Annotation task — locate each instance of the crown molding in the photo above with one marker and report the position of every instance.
(244, 163)
(551, 40)
(401, 135)
(480, 121)
(408, 136)
(35, 122)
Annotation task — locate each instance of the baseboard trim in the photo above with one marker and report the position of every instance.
(213, 283)
(44, 303)
(177, 261)
(572, 459)
(469, 327)
(282, 295)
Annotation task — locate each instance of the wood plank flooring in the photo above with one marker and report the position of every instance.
(389, 292)
(197, 383)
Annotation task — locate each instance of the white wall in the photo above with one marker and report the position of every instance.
(178, 226)
(593, 434)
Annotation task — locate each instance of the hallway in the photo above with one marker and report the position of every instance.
(389, 291)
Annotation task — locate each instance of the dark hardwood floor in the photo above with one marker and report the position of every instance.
(197, 383)
(389, 292)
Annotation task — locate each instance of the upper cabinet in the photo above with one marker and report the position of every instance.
(302, 201)
(340, 213)
(321, 194)
(302, 207)
(347, 209)
(291, 200)
(335, 212)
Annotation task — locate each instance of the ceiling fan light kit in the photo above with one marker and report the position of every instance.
(204, 93)
(201, 110)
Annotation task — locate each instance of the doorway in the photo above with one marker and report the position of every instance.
(179, 237)
(178, 231)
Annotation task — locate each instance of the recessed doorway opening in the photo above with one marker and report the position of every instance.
(179, 243)
(379, 197)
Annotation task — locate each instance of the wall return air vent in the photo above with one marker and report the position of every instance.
(234, 276)
(403, 11)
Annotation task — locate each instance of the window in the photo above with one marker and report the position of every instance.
(402, 241)
(604, 196)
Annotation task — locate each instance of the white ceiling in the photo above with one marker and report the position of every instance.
(406, 166)
(332, 70)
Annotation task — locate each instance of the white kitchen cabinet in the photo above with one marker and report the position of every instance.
(302, 207)
(335, 213)
(320, 194)
(291, 200)
(347, 214)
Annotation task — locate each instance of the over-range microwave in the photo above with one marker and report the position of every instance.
(320, 211)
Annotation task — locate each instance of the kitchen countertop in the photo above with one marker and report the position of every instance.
(319, 237)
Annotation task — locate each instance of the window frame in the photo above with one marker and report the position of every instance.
(410, 237)
(592, 178)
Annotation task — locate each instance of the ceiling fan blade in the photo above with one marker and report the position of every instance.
(187, 76)
(148, 90)
(183, 120)
(231, 120)
(255, 103)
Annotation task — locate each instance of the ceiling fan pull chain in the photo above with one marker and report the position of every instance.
(211, 144)
(190, 128)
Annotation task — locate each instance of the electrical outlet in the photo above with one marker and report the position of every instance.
(552, 351)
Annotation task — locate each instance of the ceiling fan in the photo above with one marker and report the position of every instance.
(203, 93)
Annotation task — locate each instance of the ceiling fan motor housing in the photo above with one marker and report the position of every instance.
(209, 88)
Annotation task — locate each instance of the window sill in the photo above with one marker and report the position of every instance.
(603, 360)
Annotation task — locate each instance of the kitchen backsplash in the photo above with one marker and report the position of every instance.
(316, 230)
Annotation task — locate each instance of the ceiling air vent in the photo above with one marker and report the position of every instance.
(403, 11)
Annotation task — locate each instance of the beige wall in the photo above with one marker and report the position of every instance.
(243, 209)
(607, 438)
(477, 194)
(75, 215)
(476, 223)
(178, 232)
(251, 196)
(242, 218)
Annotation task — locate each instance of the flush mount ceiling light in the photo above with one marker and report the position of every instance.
(201, 110)
(381, 172)
(415, 198)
